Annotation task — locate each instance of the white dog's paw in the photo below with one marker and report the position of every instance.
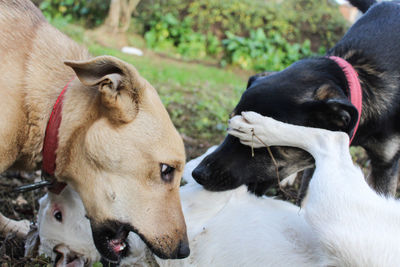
(241, 129)
(252, 129)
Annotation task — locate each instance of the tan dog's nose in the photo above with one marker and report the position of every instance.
(183, 250)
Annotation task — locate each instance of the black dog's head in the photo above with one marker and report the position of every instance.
(311, 93)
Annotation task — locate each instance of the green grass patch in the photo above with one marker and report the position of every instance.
(199, 98)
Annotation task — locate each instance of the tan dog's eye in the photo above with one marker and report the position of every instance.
(167, 172)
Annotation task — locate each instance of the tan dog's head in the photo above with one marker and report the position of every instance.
(125, 161)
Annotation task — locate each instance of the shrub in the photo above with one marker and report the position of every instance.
(295, 20)
(319, 21)
(262, 52)
(91, 12)
(167, 32)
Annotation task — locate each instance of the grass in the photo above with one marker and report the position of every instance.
(199, 98)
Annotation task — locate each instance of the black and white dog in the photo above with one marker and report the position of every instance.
(319, 92)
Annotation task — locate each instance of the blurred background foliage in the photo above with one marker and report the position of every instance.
(92, 12)
(252, 34)
(199, 54)
(276, 32)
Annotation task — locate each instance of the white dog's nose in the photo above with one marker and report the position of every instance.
(66, 257)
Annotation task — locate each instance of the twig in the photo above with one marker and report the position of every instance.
(286, 193)
(252, 143)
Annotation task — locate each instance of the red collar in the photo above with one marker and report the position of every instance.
(354, 92)
(50, 144)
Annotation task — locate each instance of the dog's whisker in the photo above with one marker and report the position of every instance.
(252, 143)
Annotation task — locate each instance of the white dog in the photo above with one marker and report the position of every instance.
(63, 230)
(232, 228)
(65, 233)
(355, 226)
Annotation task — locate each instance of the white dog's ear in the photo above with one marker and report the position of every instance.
(120, 85)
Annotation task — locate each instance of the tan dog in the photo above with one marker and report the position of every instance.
(117, 146)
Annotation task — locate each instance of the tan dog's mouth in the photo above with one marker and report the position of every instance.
(117, 245)
(110, 240)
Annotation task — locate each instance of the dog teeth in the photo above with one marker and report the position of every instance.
(117, 245)
(122, 246)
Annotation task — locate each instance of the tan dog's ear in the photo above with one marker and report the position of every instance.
(118, 84)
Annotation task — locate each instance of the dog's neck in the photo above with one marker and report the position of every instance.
(45, 78)
(373, 83)
(80, 110)
(354, 88)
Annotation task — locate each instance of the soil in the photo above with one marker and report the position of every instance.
(18, 206)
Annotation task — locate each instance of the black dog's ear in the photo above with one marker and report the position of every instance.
(253, 78)
(334, 115)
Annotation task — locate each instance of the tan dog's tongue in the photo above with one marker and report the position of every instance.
(117, 245)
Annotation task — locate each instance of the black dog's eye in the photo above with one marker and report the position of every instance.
(167, 172)
(58, 215)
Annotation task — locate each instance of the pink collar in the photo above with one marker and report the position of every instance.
(354, 92)
(50, 144)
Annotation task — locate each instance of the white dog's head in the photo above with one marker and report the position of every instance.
(65, 234)
(64, 231)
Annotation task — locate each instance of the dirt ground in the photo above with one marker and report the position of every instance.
(18, 206)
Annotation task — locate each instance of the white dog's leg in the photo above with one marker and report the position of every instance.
(356, 227)
(20, 228)
(256, 130)
(329, 149)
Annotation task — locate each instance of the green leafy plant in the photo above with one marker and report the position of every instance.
(91, 12)
(252, 34)
(295, 20)
(168, 33)
(262, 52)
(214, 46)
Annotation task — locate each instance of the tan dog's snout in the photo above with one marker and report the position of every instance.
(128, 163)
(167, 247)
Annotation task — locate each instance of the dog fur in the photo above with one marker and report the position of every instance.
(114, 139)
(313, 92)
(355, 225)
(343, 221)
(232, 228)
